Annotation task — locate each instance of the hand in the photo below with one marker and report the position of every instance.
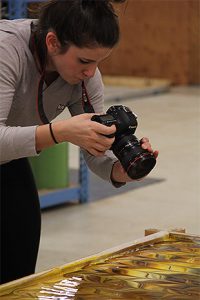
(119, 174)
(145, 144)
(81, 131)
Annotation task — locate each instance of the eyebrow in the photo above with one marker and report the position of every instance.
(92, 60)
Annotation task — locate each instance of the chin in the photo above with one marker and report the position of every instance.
(73, 81)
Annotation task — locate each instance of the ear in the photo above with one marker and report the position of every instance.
(52, 43)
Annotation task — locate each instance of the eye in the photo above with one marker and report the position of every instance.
(83, 61)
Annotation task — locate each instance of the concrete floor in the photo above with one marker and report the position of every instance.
(168, 198)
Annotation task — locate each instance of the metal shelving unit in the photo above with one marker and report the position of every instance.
(17, 9)
(80, 192)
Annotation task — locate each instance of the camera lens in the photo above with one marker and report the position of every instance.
(136, 161)
(141, 166)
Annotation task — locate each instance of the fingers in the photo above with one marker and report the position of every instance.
(144, 140)
(100, 128)
(145, 144)
(102, 141)
(105, 141)
(103, 129)
(155, 153)
(98, 144)
(101, 145)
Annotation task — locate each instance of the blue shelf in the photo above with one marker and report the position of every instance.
(17, 9)
(80, 192)
(59, 197)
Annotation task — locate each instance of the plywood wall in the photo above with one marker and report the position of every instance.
(159, 39)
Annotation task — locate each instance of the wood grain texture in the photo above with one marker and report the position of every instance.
(159, 39)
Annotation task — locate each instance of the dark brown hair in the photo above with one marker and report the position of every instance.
(83, 23)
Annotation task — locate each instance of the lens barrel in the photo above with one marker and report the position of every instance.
(136, 161)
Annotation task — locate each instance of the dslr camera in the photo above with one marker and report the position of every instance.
(136, 161)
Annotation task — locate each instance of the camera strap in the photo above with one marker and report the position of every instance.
(40, 52)
(87, 106)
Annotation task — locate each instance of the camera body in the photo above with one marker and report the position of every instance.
(136, 161)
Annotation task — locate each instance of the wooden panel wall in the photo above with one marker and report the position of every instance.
(159, 39)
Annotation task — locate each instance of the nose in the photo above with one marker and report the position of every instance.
(90, 71)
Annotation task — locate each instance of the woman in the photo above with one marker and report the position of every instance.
(46, 65)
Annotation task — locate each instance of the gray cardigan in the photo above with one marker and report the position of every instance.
(19, 79)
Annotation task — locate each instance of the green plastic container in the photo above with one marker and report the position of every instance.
(51, 167)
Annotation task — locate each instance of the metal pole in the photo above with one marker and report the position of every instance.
(83, 180)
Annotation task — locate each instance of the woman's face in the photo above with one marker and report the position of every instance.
(77, 64)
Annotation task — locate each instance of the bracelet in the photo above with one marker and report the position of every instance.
(52, 134)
